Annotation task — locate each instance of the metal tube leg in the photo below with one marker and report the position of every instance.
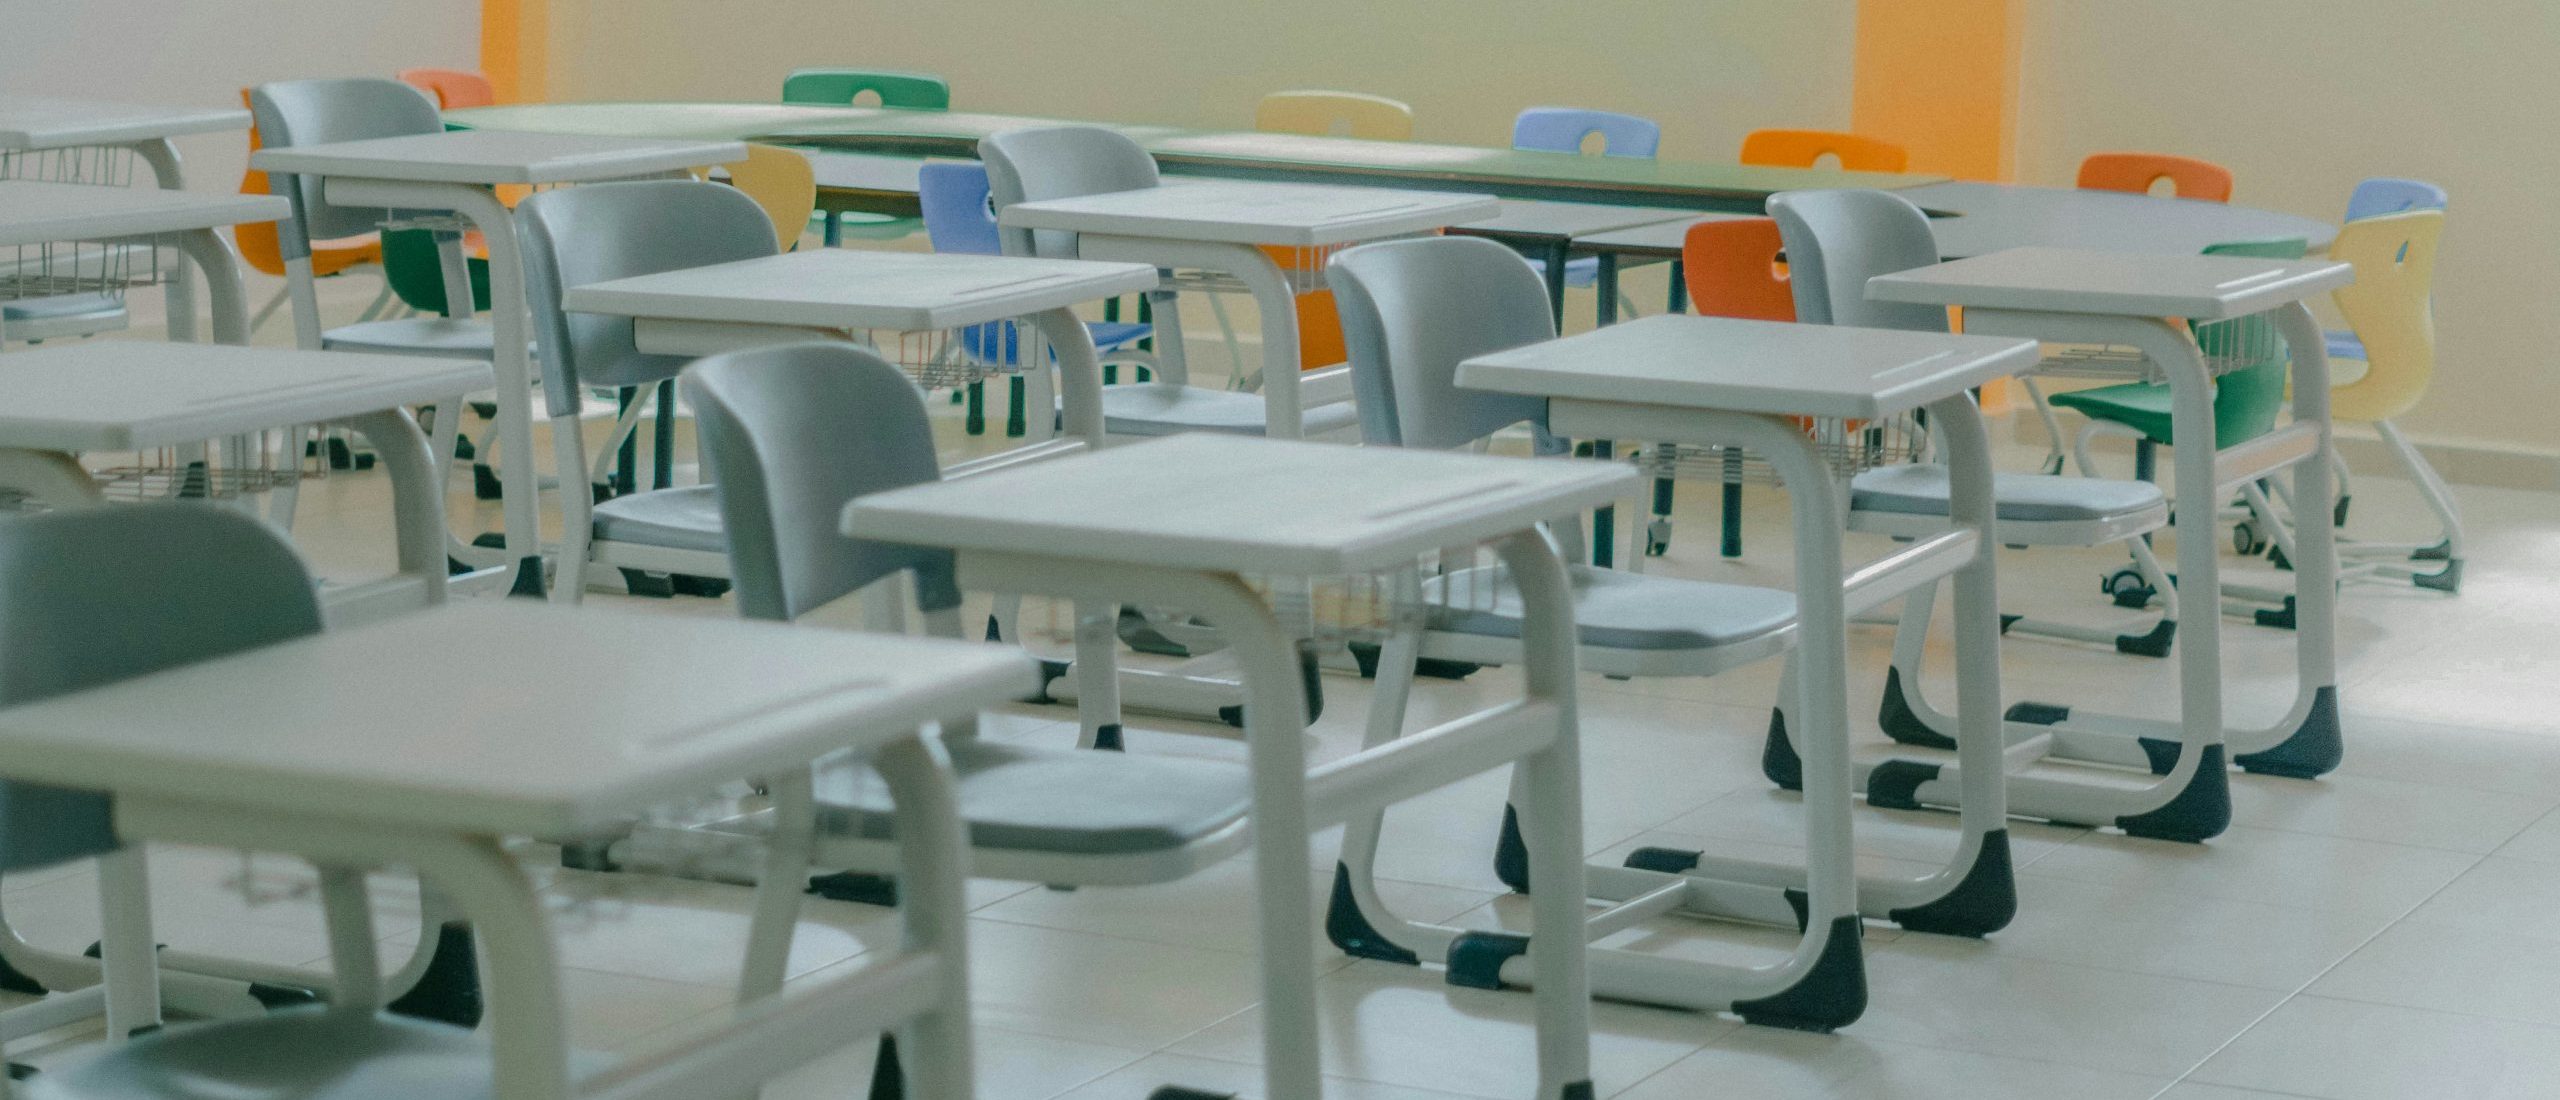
(1552, 825)
(779, 886)
(162, 155)
(521, 474)
(933, 867)
(351, 945)
(126, 952)
(1097, 676)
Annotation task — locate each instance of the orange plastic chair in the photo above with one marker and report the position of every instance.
(1804, 148)
(454, 89)
(1731, 266)
(2136, 172)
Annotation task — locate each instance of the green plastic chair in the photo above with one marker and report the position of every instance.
(416, 273)
(2246, 398)
(841, 88)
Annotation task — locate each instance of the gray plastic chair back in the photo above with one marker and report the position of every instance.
(315, 112)
(1059, 162)
(1412, 310)
(1837, 240)
(791, 434)
(573, 236)
(99, 595)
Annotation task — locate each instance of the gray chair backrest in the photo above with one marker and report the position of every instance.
(315, 112)
(99, 595)
(1059, 162)
(1837, 240)
(1412, 310)
(791, 435)
(573, 236)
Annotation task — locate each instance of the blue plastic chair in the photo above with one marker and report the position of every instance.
(1563, 130)
(958, 218)
(2375, 198)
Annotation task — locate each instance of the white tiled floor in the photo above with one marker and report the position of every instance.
(2388, 931)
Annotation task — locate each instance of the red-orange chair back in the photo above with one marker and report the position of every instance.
(454, 89)
(1732, 270)
(2136, 172)
(1803, 148)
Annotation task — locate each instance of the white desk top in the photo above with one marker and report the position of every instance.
(845, 288)
(1255, 213)
(497, 156)
(1752, 366)
(1995, 216)
(45, 122)
(1652, 238)
(34, 212)
(1532, 220)
(2130, 284)
(568, 719)
(1223, 503)
(122, 395)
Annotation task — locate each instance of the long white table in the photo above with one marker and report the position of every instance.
(36, 124)
(130, 395)
(1184, 521)
(346, 749)
(2119, 299)
(458, 172)
(1219, 227)
(1713, 381)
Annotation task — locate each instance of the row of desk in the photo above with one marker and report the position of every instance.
(284, 774)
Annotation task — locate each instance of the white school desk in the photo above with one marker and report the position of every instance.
(1216, 227)
(457, 172)
(346, 748)
(822, 293)
(1182, 522)
(1989, 217)
(127, 395)
(34, 213)
(42, 123)
(1716, 381)
(2119, 299)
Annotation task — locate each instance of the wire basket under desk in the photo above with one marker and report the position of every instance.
(1848, 449)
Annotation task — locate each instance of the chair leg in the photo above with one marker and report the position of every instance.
(126, 953)
(2431, 485)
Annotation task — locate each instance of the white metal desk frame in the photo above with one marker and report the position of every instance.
(1720, 381)
(458, 172)
(1216, 227)
(284, 774)
(1180, 522)
(35, 123)
(2121, 299)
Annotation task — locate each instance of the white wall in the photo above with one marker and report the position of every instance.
(1709, 69)
(2302, 98)
(205, 51)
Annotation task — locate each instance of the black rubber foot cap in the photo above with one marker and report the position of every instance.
(1778, 758)
(709, 588)
(1830, 996)
(2447, 579)
(20, 1071)
(2155, 643)
(449, 992)
(1902, 721)
(1350, 930)
(857, 887)
(1109, 738)
(1985, 902)
(1139, 634)
(2280, 618)
(2315, 748)
(276, 998)
(888, 1078)
(1895, 784)
(1177, 1092)
(1511, 853)
(14, 980)
(485, 484)
(2199, 813)
(1667, 861)
(1476, 958)
(2038, 714)
(656, 586)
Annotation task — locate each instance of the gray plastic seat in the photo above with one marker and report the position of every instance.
(1064, 801)
(297, 1054)
(1163, 409)
(437, 336)
(1617, 610)
(682, 519)
(793, 434)
(602, 231)
(1921, 490)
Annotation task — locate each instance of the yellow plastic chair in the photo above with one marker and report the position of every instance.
(1804, 148)
(2390, 309)
(781, 182)
(1334, 114)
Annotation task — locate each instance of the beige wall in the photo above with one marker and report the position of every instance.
(205, 51)
(1709, 69)
(2302, 98)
